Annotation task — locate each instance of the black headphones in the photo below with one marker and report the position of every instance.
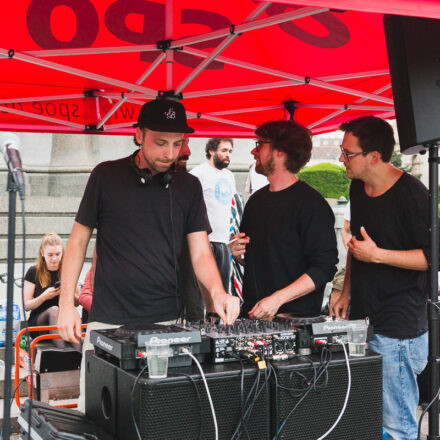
(145, 177)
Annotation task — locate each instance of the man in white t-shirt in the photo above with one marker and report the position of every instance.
(218, 186)
(254, 180)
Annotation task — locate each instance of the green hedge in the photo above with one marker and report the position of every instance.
(330, 180)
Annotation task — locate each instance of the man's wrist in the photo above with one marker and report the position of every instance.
(378, 255)
(278, 296)
(216, 291)
(345, 293)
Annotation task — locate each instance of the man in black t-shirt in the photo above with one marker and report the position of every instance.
(387, 262)
(287, 231)
(142, 212)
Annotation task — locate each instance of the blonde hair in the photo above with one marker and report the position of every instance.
(42, 273)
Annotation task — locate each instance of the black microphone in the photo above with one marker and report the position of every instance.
(10, 148)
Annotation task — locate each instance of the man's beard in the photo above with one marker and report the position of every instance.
(265, 169)
(220, 164)
(181, 162)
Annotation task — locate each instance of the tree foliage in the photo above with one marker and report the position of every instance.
(329, 179)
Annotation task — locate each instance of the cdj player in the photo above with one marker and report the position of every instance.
(125, 344)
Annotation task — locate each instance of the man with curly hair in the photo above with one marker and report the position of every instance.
(287, 233)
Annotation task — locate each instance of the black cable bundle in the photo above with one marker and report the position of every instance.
(247, 404)
(309, 384)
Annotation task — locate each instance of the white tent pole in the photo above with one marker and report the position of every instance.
(169, 36)
(349, 91)
(345, 107)
(121, 125)
(253, 25)
(119, 95)
(41, 98)
(222, 46)
(41, 117)
(192, 51)
(79, 72)
(274, 72)
(300, 105)
(141, 79)
(278, 84)
(238, 89)
(246, 110)
(333, 127)
(91, 50)
(354, 75)
(227, 121)
(338, 112)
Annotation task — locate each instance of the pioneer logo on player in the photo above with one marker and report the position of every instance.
(104, 344)
(181, 340)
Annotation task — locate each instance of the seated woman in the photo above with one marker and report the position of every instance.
(41, 285)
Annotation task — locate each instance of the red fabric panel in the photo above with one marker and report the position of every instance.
(331, 43)
(415, 8)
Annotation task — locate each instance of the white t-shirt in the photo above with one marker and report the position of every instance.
(254, 180)
(218, 188)
(347, 212)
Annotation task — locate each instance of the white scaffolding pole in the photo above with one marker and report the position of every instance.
(41, 117)
(339, 112)
(169, 36)
(79, 72)
(140, 80)
(41, 98)
(246, 27)
(219, 49)
(91, 51)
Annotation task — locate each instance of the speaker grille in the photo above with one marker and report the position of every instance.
(181, 404)
(362, 419)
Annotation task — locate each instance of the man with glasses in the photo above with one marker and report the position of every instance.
(287, 233)
(386, 277)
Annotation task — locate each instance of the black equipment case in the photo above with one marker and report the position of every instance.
(50, 423)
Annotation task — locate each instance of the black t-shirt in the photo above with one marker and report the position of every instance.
(394, 299)
(31, 276)
(139, 239)
(291, 233)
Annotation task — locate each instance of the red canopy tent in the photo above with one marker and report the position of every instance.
(85, 66)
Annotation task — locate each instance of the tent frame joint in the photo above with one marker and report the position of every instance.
(290, 107)
(11, 53)
(92, 128)
(307, 80)
(169, 94)
(90, 93)
(164, 45)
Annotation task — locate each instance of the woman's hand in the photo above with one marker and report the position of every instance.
(51, 292)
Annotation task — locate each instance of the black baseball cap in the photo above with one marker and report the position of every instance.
(164, 115)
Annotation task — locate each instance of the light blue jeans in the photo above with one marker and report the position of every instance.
(403, 360)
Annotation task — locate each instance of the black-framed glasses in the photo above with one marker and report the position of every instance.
(349, 156)
(259, 144)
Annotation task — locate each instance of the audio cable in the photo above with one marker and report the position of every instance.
(347, 394)
(132, 399)
(214, 417)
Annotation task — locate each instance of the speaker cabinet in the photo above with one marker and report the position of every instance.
(175, 407)
(317, 412)
(414, 59)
